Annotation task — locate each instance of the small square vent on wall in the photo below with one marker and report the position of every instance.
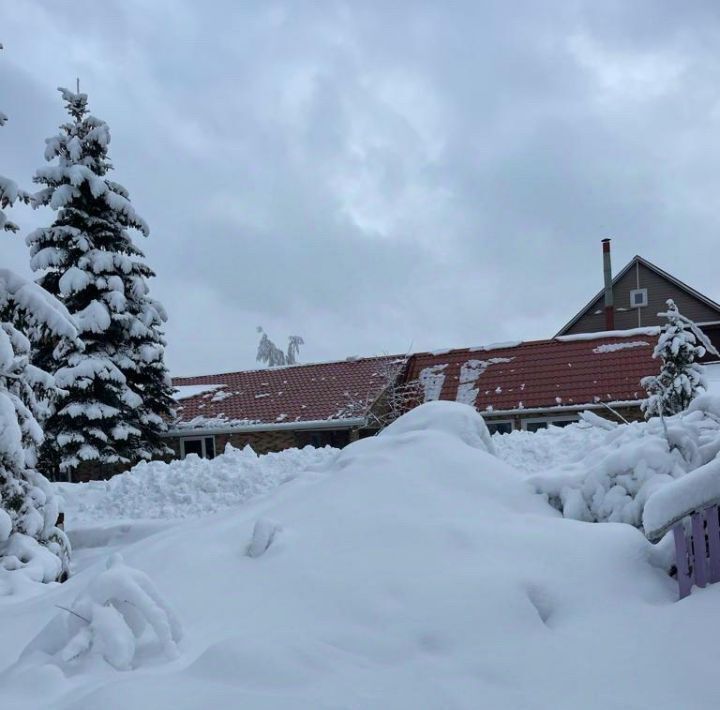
(638, 298)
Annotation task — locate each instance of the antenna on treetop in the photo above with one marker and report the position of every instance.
(77, 84)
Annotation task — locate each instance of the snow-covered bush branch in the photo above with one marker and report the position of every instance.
(390, 399)
(618, 469)
(29, 538)
(118, 614)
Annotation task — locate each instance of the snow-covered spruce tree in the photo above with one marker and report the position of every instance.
(118, 389)
(681, 378)
(271, 354)
(9, 192)
(30, 541)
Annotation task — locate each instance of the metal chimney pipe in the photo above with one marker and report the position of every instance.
(609, 302)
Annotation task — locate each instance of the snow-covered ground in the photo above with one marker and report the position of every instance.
(410, 570)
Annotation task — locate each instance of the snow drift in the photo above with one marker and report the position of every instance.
(417, 571)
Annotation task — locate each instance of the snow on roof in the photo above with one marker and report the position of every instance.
(605, 334)
(187, 391)
(559, 374)
(614, 347)
(331, 391)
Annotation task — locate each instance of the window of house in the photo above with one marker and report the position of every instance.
(638, 297)
(500, 427)
(543, 423)
(202, 446)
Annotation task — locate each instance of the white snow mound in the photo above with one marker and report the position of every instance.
(458, 420)
(190, 486)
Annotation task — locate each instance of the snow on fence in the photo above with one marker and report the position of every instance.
(689, 507)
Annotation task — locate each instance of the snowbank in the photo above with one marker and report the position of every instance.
(188, 487)
(418, 571)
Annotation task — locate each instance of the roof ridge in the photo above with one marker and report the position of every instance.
(298, 365)
(591, 335)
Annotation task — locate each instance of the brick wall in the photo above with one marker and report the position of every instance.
(262, 442)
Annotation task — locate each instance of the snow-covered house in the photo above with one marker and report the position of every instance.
(595, 362)
(634, 297)
(532, 384)
(280, 407)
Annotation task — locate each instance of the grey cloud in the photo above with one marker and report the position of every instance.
(379, 175)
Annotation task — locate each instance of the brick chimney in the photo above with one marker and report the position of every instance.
(607, 271)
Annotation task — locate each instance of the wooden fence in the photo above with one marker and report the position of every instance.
(697, 549)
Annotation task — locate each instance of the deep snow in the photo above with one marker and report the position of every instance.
(416, 570)
(188, 487)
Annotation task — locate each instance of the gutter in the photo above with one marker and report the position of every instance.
(318, 424)
(559, 409)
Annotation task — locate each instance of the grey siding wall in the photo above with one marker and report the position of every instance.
(659, 290)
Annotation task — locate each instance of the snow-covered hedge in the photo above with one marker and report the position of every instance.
(608, 474)
(188, 487)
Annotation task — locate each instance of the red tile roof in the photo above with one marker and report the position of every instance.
(320, 392)
(546, 373)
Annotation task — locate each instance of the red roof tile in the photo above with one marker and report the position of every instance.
(548, 373)
(283, 395)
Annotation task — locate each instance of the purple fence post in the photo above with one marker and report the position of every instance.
(681, 561)
(713, 530)
(699, 549)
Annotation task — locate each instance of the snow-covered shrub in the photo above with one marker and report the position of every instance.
(614, 478)
(30, 542)
(681, 378)
(119, 617)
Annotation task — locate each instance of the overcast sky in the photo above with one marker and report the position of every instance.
(382, 176)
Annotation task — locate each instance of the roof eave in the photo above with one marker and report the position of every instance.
(317, 425)
(560, 409)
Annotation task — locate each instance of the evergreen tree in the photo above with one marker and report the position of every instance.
(681, 378)
(271, 354)
(9, 192)
(30, 540)
(118, 389)
(293, 351)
